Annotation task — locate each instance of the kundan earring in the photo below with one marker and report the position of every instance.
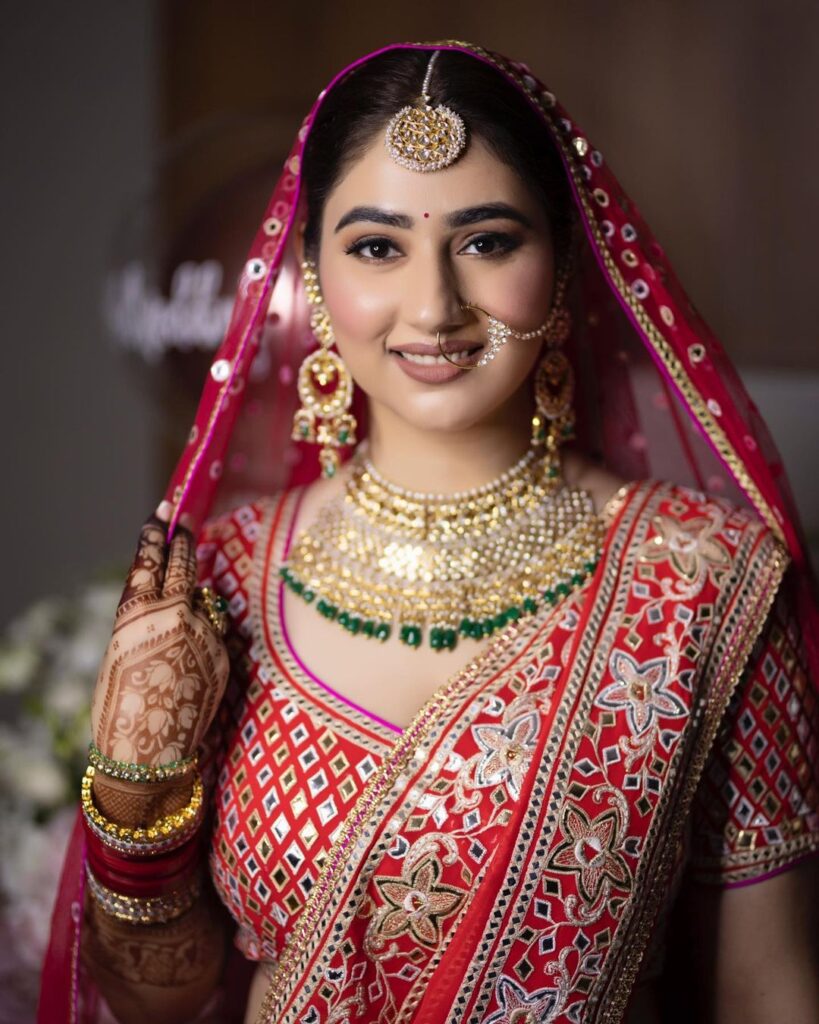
(325, 386)
(553, 421)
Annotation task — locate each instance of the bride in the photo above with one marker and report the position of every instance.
(466, 672)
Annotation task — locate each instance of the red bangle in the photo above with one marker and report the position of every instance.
(154, 875)
(138, 867)
(149, 888)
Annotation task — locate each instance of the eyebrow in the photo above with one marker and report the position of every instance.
(457, 219)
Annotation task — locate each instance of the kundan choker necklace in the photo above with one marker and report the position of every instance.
(380, 559)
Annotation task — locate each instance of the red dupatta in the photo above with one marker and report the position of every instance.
(660, 397)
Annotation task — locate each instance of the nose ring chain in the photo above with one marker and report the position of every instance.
(555, 328)
(499, 333)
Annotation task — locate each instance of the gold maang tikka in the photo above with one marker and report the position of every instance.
(425, 138)
(325, 386)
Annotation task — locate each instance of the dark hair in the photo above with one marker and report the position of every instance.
(359, 107)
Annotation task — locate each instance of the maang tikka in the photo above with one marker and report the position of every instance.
(325, 386)
(422, 137)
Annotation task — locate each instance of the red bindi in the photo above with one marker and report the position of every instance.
(426, 214)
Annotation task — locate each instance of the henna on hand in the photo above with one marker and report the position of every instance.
(165, 669)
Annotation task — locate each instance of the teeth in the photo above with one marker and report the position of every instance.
(457, 357)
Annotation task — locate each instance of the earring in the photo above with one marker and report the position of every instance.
(325, 386)
(553, 421)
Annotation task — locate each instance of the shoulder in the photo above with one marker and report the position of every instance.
(680, 517)
(696, 542)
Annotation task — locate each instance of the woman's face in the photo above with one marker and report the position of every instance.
(402, 250)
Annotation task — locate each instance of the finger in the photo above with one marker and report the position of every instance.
(164, 511)
(148, 567)
(180, 576)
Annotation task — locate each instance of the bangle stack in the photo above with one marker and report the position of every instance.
(150, 874)
(165, 834)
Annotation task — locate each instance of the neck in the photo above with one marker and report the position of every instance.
(446, 462)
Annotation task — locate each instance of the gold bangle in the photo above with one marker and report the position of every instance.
(162, 835)
(144, 909)
(131, 772)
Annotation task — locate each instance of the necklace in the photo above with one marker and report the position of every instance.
(379, 558)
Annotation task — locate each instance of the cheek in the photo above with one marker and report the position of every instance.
(519, 294)
(359, 312)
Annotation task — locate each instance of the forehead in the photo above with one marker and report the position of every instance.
(478, 176)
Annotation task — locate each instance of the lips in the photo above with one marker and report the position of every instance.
(425, 364)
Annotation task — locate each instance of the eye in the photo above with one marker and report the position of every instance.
(494, 243)
(379, 249)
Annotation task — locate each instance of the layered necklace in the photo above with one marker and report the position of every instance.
(381, 560)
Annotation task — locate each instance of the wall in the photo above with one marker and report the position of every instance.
(76, 115)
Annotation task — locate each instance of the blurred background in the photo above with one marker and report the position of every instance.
(139, 143)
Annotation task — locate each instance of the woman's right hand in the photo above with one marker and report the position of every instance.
(165, 668)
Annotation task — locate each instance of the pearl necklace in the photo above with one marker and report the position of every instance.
(380, 558)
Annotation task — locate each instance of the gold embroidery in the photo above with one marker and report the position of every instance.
(690, 546)
(759, 583)
(416, 902)
(591, 849)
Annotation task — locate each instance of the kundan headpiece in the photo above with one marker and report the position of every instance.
(423, 137)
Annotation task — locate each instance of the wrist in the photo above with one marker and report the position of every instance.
(135, 795)
(165, 833)
(138, 804)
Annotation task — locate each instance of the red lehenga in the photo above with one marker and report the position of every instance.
(513, 854)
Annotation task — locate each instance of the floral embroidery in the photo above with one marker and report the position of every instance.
(591, 850)
(507, 751)
(690, 546)
(517, 1006)
(417, 903)
(642, 689)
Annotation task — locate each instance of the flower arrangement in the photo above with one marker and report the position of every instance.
(49, 658)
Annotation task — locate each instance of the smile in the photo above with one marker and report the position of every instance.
(430, 360)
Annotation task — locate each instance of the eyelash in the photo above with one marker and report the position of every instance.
(506, 245)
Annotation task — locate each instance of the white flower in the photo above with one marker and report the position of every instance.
(81, 654)
(67, 696)
(28, 769)
(17, 666)
(101, 599)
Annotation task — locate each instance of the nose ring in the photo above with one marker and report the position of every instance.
(499, 333)
(441, 350)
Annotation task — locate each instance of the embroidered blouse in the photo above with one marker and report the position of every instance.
(292, 755)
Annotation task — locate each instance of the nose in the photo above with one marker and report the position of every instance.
(432, 300)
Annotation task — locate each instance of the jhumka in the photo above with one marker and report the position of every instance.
(380, 559)
(423, 137)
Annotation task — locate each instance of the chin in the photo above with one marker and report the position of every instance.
(440, 413)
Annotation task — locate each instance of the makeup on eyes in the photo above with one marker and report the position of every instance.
(504, 241)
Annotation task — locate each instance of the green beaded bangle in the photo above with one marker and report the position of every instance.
(139, 772)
